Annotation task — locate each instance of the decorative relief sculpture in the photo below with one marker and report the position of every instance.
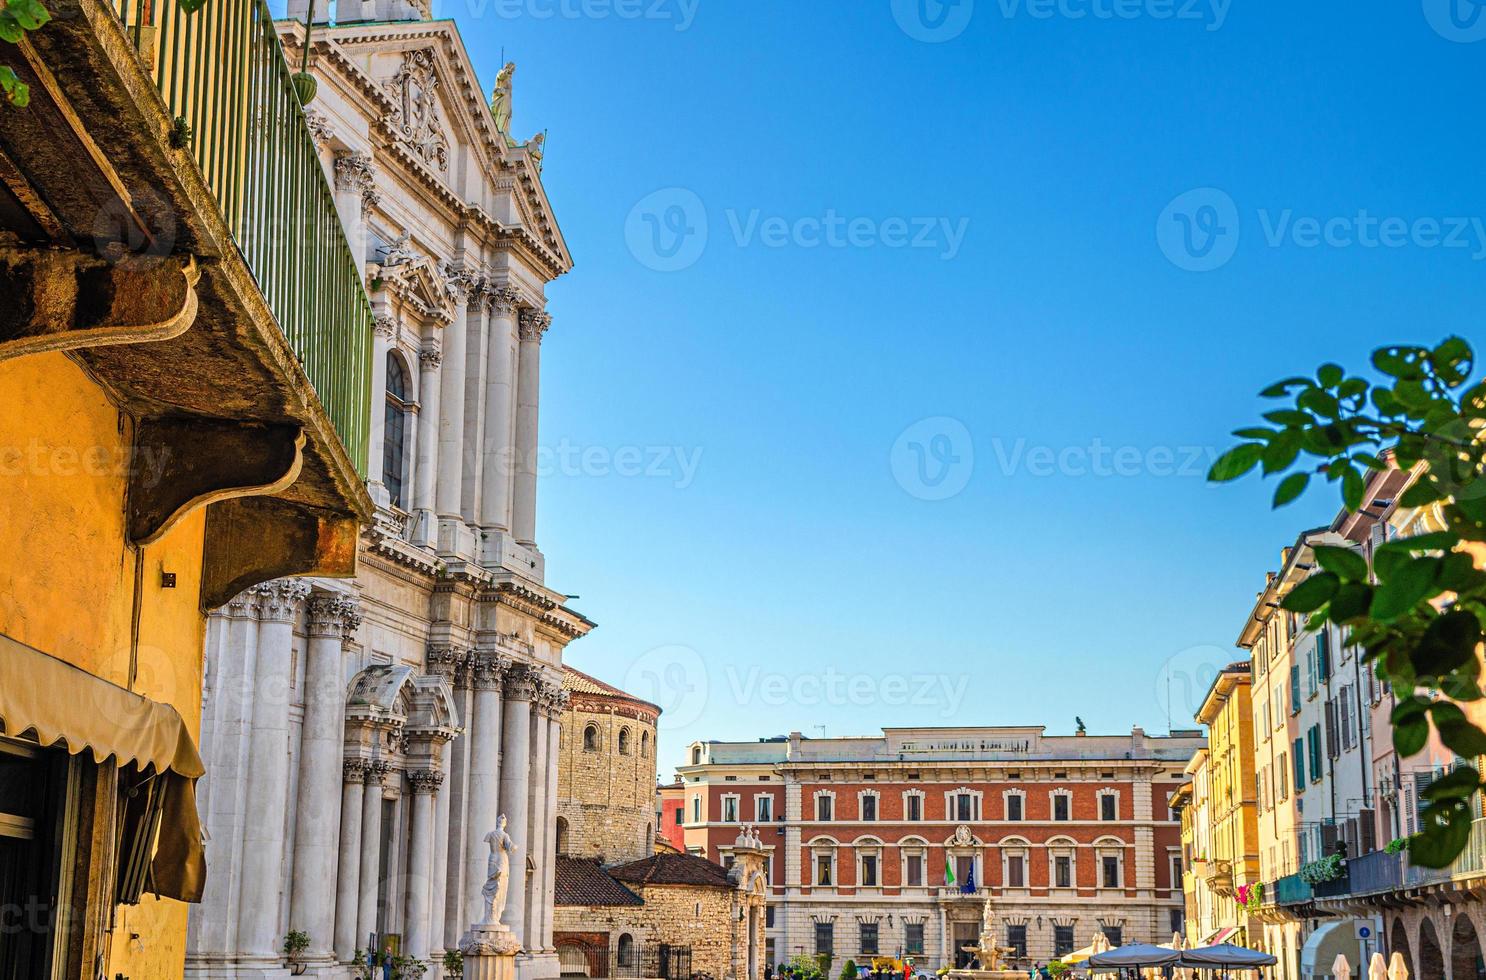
(415, 116)
(535, 147)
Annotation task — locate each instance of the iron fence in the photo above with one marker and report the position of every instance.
(222, 74)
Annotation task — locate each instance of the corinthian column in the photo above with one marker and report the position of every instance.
(534, 324)
(514, 786)
(333, 618)
(429, 360)
(486, 677)
(549, 889)
(348, 868)
(370, 875)
(268, 772)
(451, 400)
(420, 861)
(497, 460)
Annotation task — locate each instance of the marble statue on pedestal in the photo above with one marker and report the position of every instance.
(497, 872)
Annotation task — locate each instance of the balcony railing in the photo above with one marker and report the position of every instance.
(1290, 890)
(221, 72)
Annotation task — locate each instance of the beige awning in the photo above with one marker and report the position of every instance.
(64, 705)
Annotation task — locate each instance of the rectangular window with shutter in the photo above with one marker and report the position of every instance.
(1323, 654)
(1333, 744)
(1295, 689)
(1299, 758)
(1313, 744)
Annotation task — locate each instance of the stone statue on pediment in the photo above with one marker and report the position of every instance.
(500, 99)
(535, 147)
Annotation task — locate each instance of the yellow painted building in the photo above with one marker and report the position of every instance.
(1232, 865)
(175, 426)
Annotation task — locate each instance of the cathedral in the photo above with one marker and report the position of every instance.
(363, 736)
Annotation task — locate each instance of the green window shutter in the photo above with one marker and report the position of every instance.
(1323, 653)
(1298, 756)
(1294, 688)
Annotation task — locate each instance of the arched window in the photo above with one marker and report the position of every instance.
(591, 738)
(562, 835)
(644, 745)
(394, 429)
(696, 756)
(626, 951)
(624, 741)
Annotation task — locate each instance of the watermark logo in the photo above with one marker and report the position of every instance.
(1461, 21)
(1183, 681)
(934, 458)
(1198, 231)
(933, 21)
(1212, 14)
(667, 230)
(771, 689)
(673, 678)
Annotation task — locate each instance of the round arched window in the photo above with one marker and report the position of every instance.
(394, 429)
(591, 738)
(624, 741)
(645, 745)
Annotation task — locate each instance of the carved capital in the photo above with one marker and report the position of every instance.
(334, 614)
(521, 683)
(320, 129)
(488, 673)
(432, 354)
(354, 771)
(425, 780)
(384, 325)
(500, 298)
(534, 324)
(354, 172)
(447, 661)
(376, 772)
(278, 601)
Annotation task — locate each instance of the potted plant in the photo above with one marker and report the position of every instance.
(295, 943)
(849, 969)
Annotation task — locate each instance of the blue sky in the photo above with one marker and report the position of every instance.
(738, 424)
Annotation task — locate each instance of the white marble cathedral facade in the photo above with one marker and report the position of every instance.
(362, 736)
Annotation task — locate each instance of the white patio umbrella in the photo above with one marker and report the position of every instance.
(1397, 969)
(1341, 969)
(1378, 969)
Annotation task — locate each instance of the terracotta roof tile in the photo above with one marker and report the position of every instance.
(582, 881)
(673, 869)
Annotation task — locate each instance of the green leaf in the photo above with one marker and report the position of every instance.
(1399, 362)
(1281, 452)
(1288, 416)
(1350, 602)
(1452, 361)
(10, 28)
(1343, 561)
(1282, 388)
(15, 91)
(1291, 487)
(1447, 829)
(1353, 489)
(1312, 593)
(1458, 734)
(1410, 734)
(28, 13)
(1235, 462)
(1320, 402)
(1330, 375)
(1255, 433)
(1405, 588)
(1449, 642)
(1420, 493)
(1458, 783)
(1435, 541)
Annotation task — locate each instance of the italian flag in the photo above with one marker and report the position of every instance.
(949, 871)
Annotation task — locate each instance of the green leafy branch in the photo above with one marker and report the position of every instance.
(16, 18)
(1418, 610)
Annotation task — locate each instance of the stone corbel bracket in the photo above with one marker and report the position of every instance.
(184, 463)
(67, 300)
(255, 539)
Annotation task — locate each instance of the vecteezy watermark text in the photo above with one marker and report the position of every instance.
(937, 21)
(1099, 460)
(668, 230)
(835, 688)
(680, 13)
(675, 463)
(1199, 230)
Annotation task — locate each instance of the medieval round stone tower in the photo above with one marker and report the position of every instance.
(606, 782)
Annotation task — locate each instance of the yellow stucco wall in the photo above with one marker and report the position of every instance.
(67, 579)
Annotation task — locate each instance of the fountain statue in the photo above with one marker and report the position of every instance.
(990, 955)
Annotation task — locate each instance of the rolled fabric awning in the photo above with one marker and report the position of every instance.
(65, 705)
